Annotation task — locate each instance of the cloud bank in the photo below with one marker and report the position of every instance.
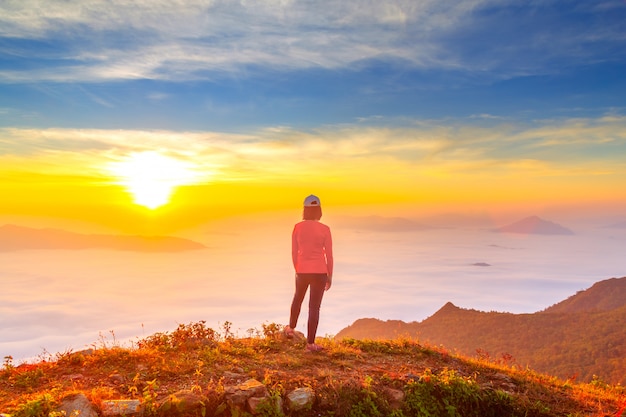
(569, 147)
(96, 41)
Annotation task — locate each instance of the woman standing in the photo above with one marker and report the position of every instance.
(312, 254)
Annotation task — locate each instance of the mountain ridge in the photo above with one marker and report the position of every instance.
(14, 238)
(602, 296)
(580, 337)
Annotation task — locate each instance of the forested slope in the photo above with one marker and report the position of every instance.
(578, 338)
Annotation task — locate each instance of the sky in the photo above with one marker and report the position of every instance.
(159, 116)
(214, 119)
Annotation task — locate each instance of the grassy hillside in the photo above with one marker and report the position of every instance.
(350, 378)
(582, 337)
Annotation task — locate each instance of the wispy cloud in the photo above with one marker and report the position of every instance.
(571, 147)
(92, 40)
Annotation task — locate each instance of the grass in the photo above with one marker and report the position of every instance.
(352, 378)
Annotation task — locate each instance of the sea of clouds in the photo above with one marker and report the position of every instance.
(64, 300)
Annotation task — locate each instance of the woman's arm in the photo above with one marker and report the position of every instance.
(330, 262)
(294, 248)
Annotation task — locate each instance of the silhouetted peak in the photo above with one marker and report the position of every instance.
(535, 225)
(447, 309)
(449, 306)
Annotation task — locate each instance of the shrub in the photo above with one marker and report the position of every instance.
(449, 394)
(42, 406)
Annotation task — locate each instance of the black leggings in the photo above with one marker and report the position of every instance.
(317, 282)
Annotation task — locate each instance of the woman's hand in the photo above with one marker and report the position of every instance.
(329, 283)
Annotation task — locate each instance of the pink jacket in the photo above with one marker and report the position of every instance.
(312, 248)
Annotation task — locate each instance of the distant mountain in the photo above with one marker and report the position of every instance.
(14, 238)
(379, 223)
(535, 225)
(581, 336)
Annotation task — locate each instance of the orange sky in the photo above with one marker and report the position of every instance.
(95, 176)
(182, 118)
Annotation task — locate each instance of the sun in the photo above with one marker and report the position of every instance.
(151, 177)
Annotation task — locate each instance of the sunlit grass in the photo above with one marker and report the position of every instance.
(350, 378)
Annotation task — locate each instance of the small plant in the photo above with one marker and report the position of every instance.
(186, 336)
(599, 383)
(366, 406)
(451, 394)
(28, 378)
(197, 377)
(271, 406)
(39, 407)
(149, 399)
(271, 330)
(8, 363)
(228, 334)
(133, 390)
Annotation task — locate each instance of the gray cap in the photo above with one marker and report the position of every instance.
(312, 201)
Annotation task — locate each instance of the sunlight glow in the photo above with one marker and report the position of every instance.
(152, 177)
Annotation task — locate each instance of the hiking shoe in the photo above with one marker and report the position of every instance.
(312, 347)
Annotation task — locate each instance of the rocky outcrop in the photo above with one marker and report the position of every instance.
(300, 399)
(77, 405)
(250, 396)
(125, 408)
(247, 395)
(183, 403)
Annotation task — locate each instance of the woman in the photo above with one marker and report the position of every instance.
(312, 254)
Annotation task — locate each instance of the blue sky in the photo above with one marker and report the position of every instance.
(420, 102)
(240, 65)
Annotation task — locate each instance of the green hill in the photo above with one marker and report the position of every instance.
(579, 338)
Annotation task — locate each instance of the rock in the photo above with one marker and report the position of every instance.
(502, 382)
(233, 377)
(297, 336)
(126, 408)
(255, 402)
(396, 398)
(238, 395)
(77, 405)
(116, 379)
(182, 403)
(253, 386)
(300, 399)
